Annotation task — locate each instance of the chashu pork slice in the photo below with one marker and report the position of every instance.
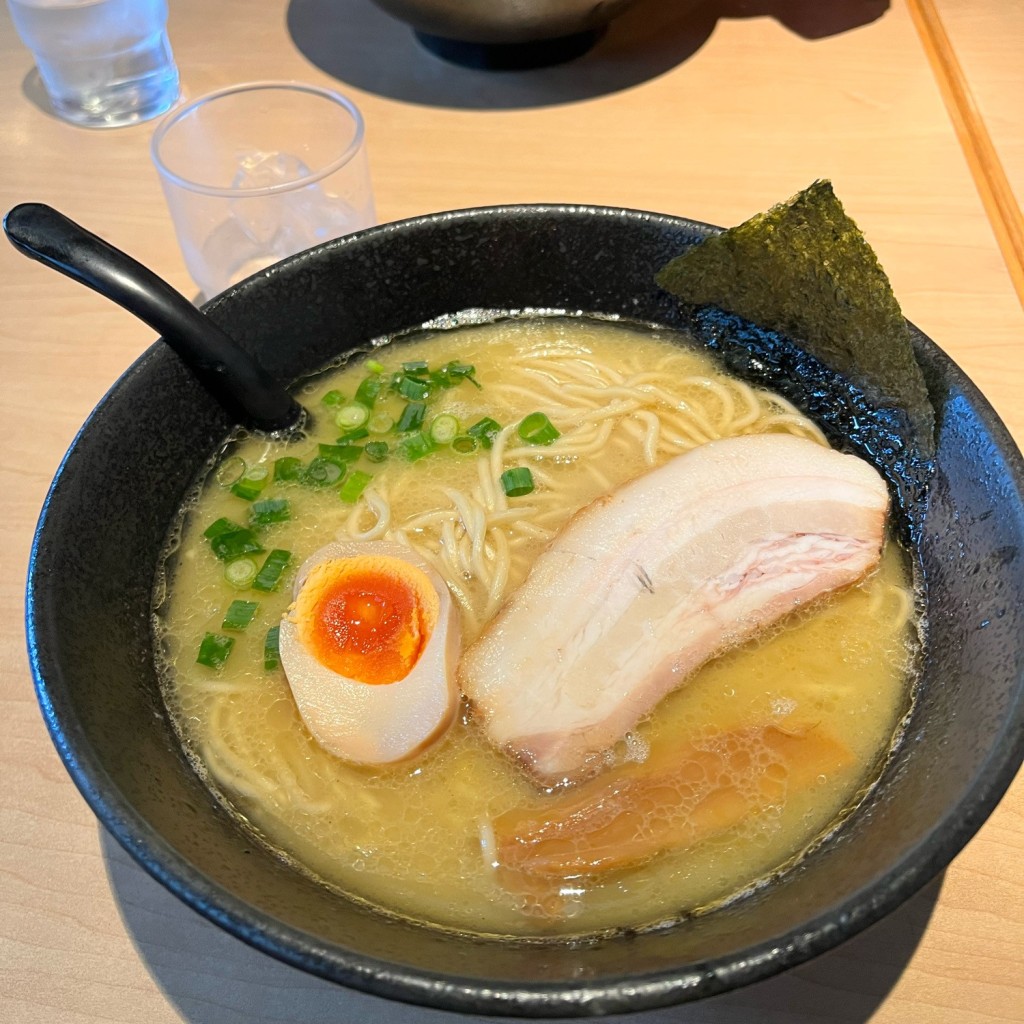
(647, 583)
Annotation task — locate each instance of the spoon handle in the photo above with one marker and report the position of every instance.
(242, 387)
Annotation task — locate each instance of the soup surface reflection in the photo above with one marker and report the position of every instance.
(417, 838)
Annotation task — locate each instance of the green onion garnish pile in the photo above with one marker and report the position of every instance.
(389, 416)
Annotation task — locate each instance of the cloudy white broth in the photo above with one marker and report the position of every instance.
(422, 837)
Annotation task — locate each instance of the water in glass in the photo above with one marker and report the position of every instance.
(103, 62)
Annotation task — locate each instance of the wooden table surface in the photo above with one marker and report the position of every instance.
(711, 110)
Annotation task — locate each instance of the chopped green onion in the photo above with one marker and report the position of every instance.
(485, 431)
(322, 472)
(354, 485)
(376, 451)
(222, 525)
(269, 510)
(252, 483)
(231, 471)
(239, 615)
(517, 481)
(354, 414)
(415, 446)
(341, 454)
(232, 544)
(464, 444)
(412, 389)
(380, 423)
(333, 397)
(240, 573)
(369, 390)
(353, 435)
(214, 650)
(272, 648)
(454, 372)
(444, 429)
(418, 368)
(411, 418)
(288, 468)
(538, 429)
(374, 366)
(273, 568)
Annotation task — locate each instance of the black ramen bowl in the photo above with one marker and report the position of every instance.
(506, 34)
(119, 488)
(504, 21)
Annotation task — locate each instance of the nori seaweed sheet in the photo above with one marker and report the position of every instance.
(804, 269)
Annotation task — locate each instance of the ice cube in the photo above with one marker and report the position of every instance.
(312, 216)
(262, 217)
(262, 170)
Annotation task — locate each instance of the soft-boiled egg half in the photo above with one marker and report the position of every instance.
(369, 647)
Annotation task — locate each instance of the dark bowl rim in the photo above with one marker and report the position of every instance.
(625, 993)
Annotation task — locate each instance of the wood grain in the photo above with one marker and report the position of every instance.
(971, 128)
(712, 111)
(986, 37)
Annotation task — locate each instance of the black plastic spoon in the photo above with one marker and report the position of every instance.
(243, 388)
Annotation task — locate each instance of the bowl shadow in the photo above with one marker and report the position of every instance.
(358, 44)
(211, 977)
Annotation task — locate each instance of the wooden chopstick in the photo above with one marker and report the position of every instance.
(990, 179)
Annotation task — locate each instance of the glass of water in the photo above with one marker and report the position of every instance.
(104, 63)
(256, 172)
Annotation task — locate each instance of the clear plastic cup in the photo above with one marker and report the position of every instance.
(104, 63)
(259, 171)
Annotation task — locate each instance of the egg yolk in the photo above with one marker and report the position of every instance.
(367, 618)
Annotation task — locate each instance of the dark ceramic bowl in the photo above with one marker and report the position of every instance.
(506, 35)
(504, 21)
(119, 488)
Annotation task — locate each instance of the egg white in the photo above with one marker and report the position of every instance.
(376, 724)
